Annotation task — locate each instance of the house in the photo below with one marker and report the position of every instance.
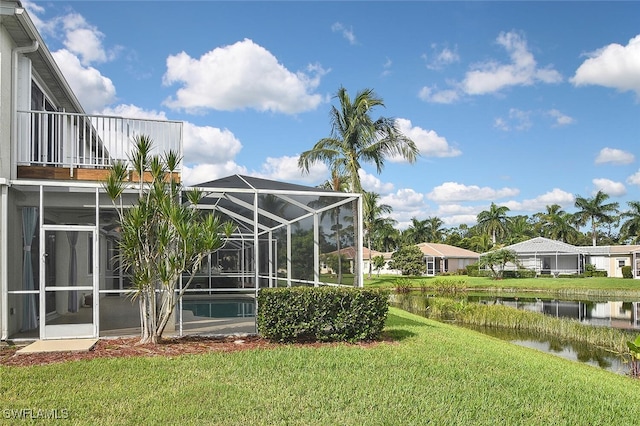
(59, 270)
(613, 258)
(546, 256)
(443, 258)
(439, 258)
(348, 254)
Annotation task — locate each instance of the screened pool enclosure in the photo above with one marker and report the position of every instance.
(67, 282)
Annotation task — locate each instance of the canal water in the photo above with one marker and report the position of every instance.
(616, 314)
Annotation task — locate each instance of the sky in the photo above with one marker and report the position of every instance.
(522, 104)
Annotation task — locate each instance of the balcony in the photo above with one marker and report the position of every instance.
(58, 145)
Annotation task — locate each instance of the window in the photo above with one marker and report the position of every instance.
(621, 263)
(44, 146)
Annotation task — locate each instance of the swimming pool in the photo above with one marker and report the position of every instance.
(221, 308)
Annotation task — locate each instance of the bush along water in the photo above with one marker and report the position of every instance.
(500, 316)
(634, 357)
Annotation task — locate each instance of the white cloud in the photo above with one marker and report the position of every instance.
(205, 144)
(286, 169)
(238, 76)
(634, 179)
(386, 67)
(406, 203)
(492, 76)
(555, 196)
(441, 57)
(614, 156)
(458, 219)
(207, 172)
(133, 111)
(84, 40)
(615, 66)
(94, 91)
(609, 187)
(372, 184)
(432, 94)
(428, 142)
(346, 32)
(450, 192)
(560, 118)
(516, 120)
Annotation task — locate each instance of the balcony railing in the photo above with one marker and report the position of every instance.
(73, 141)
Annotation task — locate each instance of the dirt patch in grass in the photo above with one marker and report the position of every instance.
(129, 347)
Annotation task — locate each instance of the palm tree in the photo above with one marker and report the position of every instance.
(519, 229)
(417, 232)
(630, 229)
(387, 237)
(557, 224)
(356, 139)
(372, 217)
(435, 232)
(339, 183)
(494, 221)
(595, 211)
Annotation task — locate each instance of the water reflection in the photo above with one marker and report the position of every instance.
(615, 314)
(574, 351)
(621, 315)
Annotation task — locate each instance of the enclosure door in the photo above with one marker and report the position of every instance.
(69, 275)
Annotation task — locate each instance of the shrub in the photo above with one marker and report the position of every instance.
(520, 273)
(472, 270)
(321, 313)
(591, 271)
(409, 260)
(627, 272)
(403, 285)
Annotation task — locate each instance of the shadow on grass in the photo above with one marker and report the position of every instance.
(397, 334)
(394, 327)
(397, 321)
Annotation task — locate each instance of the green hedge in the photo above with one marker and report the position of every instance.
(321, 313)
(520, 273)
(627, 272)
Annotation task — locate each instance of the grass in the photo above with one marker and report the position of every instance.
(434, 374)
(593, 286)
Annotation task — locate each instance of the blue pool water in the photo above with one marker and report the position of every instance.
(221, 308)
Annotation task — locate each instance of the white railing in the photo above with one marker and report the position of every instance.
(79, 141)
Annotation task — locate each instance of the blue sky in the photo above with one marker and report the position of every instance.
(525, 104)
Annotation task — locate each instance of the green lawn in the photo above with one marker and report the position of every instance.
(545, 284)
(434, 373)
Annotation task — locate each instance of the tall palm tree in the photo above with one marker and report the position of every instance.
(557, 224)
(387, 237)
(417, 232)
(630, 229)
(357, 139)
(494, 221)
(595, 211)
(339, 183)
(435, 231)
(519, 229)
(372, 217)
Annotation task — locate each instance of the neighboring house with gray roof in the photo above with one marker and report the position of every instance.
(546, 256)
